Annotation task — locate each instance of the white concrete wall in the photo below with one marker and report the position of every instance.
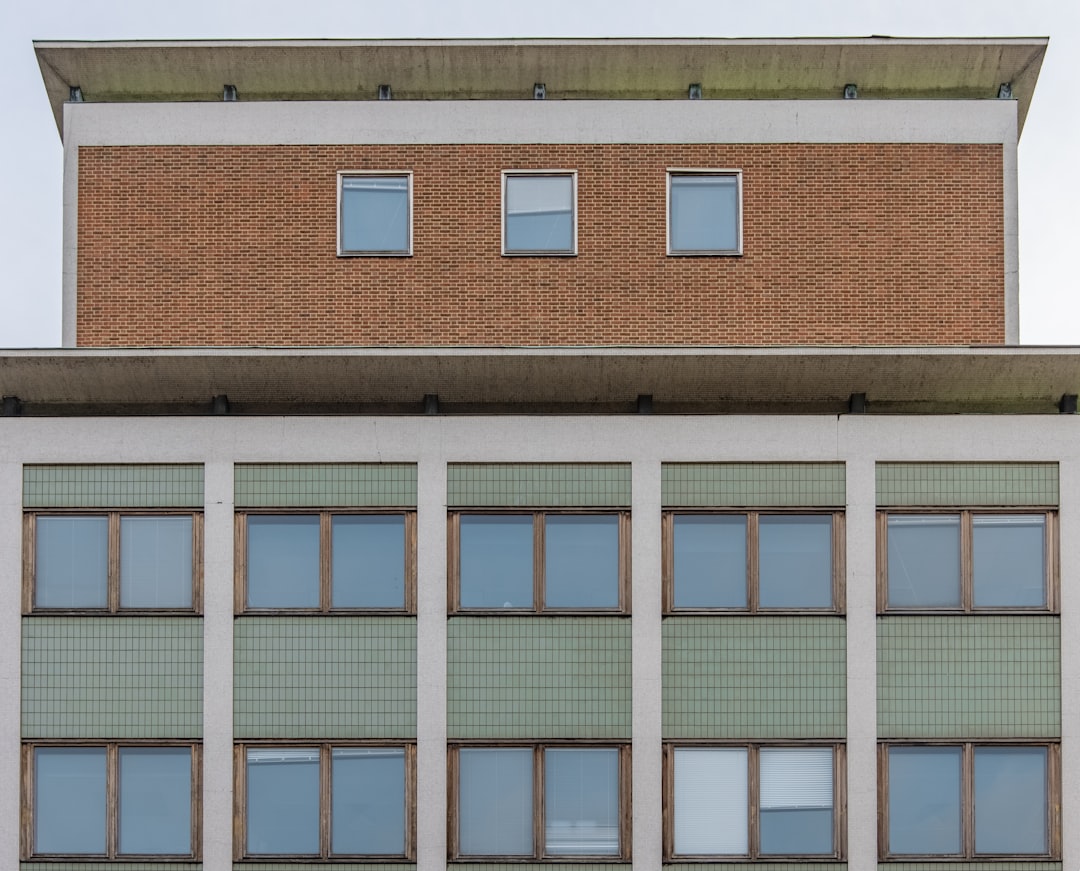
(644, 441)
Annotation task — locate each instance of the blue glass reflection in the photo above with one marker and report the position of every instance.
(582, 561)
(368, 561)
(155, 801)
(69, 800)
(71, 562)
(795, 569)
(710, 561)
(1010, 800)
(704, 213)
(375, 214)
(368, 801)
(496, 561)
(283, 561)
(924, 560)
(539, 213)
(283, 801)
(155, 562)
(924, 800)
(495, 810)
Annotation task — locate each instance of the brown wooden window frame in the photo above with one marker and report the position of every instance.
(967, 802)
(453, 564)
(326, 557)
(113, 579)
(1051, 561)
(539, 836)
(325, 749)
(112, 801)
(753, 559)
(754, 800)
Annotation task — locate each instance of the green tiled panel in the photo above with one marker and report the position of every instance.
(538, 485)
(754, 677)
(538, 677)
(324, 677)
(325, 485)
(969, 676)
(110, 866)
(112, 677)
(113, 486)
(756, 485)
(967, 484)
(970, 866)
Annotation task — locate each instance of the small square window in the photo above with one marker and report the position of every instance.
(375, 214)
(969, 561)
(541, 561)
(155, 793)
(704, 211)
(327, 561)
(795, 565)
(114, 561)
(539, 213)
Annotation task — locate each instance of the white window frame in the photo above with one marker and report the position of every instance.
(737, 175)
(537, 173)
(376, 173)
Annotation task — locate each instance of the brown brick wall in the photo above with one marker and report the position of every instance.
(846, 244)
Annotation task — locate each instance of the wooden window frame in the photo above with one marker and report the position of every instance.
(113, 580)
(538, 515)
(326, 559)
(754, 801)
(453, 852)
(967, 802)
(325, 749)
(753, 559)
(1051, 561)
(112, 801)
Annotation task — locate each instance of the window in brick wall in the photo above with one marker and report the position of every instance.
(375, 214)
(704, 211)
(540, 213)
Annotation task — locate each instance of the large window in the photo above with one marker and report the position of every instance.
(753, 801)
(538, 802)
(326, 561)
(968, 560)
(970, 800)
(704, 211)
(325, 801)
(111, 800)
(753, 561)
(375, 213)
(539, 561)
(540, 212)
(113, 561)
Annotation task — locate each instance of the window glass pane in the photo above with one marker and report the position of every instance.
(711, 802)
(581, 802)
(581, 555)
(796, 801)
(539, 213)
(710, 561)
(495, 811)
(283, 801)
(704, 213)
(155, 800)
(283, 561)
(69, 800)
(368, 561)
(924, 561)
(1009, 560)
(72, 561)
(924, 800)
(795, 570)
(497, 561)
(368, 785)
(1010, 800)
(375, 214)
(155, 562)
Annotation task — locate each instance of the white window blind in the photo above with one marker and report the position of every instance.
(711, 801)
(796, 777)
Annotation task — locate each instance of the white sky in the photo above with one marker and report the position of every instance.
(30, 152)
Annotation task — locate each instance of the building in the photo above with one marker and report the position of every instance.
(557, 453)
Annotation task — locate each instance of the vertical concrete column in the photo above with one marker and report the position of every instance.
(647, 666)
(861, 664)
(218, 666)
(1069, 486)
(431, 664)
(10, 657)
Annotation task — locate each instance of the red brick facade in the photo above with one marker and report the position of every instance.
(843, 244)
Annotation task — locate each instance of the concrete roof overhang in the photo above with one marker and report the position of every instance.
(644, 69)
(687, 380)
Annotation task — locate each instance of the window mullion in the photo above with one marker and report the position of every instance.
(967, 561)
(112, 574)
(325, 809)
(240, 568)
(753, 770)
(112, 784)
(539, 830)
(753, 562)
(325, 561)
(967, 789)
(539, 562)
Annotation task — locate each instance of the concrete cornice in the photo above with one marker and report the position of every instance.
(881, 67)
(705, 380)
